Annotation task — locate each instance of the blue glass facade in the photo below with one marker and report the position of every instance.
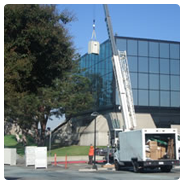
(154, 71)
(98, 68)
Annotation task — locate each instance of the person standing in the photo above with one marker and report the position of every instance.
(91, 154)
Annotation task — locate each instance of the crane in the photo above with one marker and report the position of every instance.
(122, 77)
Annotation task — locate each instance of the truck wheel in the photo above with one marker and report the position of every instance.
(166, 168)
(117, 166)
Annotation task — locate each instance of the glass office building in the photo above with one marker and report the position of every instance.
(154, 67)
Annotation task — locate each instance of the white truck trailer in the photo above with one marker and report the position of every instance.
(147, 148)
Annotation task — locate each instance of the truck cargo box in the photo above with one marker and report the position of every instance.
(148, 144)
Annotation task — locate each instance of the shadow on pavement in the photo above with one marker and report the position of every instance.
(12, 178)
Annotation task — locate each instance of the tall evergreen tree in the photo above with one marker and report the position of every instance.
(41, 75)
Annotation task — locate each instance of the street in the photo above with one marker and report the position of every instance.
(72, 173)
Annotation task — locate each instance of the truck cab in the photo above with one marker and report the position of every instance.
(114, 133)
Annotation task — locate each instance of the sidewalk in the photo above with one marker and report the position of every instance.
(73, 158)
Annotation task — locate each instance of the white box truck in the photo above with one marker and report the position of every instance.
(147, 148)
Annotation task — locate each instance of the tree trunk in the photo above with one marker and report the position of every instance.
(37, 136)
(43, 124)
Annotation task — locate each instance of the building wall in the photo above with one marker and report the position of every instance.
(154, 71)
(105, 123)
(155, 77)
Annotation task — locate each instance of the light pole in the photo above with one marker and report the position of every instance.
(108, 134)
(95, 114)
(50, 135)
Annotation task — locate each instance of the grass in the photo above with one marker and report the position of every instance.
(10, 142)
(72, 151)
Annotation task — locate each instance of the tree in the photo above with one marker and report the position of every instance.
(41, 75)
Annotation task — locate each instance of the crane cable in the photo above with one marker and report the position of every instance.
(94, 33)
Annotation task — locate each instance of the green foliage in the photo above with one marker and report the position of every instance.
(41, 75)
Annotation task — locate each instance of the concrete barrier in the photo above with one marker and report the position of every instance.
(30, 155)
(10, 156)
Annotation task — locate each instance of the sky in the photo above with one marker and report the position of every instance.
(152, 21)
(161, 21)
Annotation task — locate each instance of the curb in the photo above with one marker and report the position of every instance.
(99, 169)
(176, 167)
(75, 162)
(89, 170)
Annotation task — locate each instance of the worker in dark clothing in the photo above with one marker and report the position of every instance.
(91, 154)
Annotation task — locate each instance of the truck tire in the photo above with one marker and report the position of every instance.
(166, 168)
(117, 166)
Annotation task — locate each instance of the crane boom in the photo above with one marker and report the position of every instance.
(110, 30)
(122, 77)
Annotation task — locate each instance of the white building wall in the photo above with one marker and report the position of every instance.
(144, 120)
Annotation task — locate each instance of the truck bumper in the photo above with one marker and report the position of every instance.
(157, 163)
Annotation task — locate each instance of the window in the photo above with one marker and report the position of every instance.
(153, 49)
(153, 65)
(109, 65)
(175, 99)
(106, 49)
(175, 66)
(174, 51)
(143, 48)
(143, 64)
(132, 47)
(121, 44)
(164, 50)
(132, 63)
(164, 82)
(102, 68)
(95, 58)
(134, 96)
(164, 99)
(154, 98)
(102, 51)
(91, 60)
(175, 83)
(143, 81)
(133, 78)
(143, 97)
(153, 81)
(164, 66)
(98, 68)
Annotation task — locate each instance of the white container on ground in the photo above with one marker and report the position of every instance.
(40, 157)
(93, 47)
(10, 156)
(30, 155)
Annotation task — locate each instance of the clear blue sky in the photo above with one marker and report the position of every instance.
(160, 21)
(142, 21)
